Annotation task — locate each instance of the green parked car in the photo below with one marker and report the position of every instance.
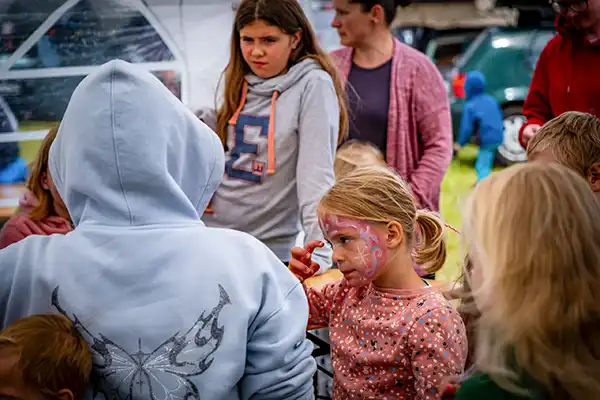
(507, 58)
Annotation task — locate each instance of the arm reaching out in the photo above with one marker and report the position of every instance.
(320, 301)
(537, 107)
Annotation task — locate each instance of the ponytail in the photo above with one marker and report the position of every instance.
(431, 247)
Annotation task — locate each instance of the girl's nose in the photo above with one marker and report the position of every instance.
(337, 256)
(335, 22)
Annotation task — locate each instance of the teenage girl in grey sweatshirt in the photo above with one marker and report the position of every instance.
(281, 119)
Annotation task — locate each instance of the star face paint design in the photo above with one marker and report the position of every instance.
(359, 250)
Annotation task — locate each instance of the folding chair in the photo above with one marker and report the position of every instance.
(322, 348)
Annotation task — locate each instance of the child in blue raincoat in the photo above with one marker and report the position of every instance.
(481, 112)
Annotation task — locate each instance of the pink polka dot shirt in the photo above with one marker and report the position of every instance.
(388, 344)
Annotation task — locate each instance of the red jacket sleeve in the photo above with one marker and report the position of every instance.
(537, 108)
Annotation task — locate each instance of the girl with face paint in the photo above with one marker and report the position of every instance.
(391, 333)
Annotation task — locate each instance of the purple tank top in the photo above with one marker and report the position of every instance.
(369, 100)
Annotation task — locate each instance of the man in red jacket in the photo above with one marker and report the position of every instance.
(567, 75)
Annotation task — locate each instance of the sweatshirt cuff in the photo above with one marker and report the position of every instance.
(525, 125)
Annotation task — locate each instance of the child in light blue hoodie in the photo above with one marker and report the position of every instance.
(481, 112)
(281, 118)
(171, 309)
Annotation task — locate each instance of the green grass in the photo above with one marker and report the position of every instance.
(456, 186)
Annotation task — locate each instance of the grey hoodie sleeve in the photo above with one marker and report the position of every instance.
(279, 362)
(209, 117)
(318, 135)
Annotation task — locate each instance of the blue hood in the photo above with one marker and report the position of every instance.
(115, 165)
(474, 84)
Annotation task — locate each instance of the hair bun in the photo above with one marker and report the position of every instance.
(402, 3)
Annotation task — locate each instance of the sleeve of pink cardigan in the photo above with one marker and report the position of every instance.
(435, 128)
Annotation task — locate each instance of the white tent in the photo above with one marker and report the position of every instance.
(196, 32)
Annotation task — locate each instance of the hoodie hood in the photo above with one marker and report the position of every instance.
(281, 83)
(568, 31)
(130, 153)
(474, 84)
(273, 87)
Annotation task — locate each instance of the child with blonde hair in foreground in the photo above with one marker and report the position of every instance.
(391, 333)
(356, 154)
(533, 237)
(351, 155)
(43, 357)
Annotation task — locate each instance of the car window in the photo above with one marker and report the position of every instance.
(18, 20)
(94, 32)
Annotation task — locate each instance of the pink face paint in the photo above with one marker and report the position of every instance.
(358, 248)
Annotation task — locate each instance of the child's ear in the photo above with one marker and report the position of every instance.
(395, 234)
(593, 177)
(296, 38)
(65, 394)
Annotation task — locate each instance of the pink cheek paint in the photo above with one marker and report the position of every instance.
(371, 253)
(365, 256)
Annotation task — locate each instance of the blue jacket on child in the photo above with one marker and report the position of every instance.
(481, 109)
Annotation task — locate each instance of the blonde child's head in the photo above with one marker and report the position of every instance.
(533, 236)
(41, 185)
(355, 154)
(43, 356)
(369, 216)
(573, 140)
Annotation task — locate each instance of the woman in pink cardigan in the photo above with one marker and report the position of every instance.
(396, 95)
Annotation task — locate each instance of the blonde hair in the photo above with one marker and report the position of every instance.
(377, 194)
(288, 16)
(52, 355)
(355, 154)
(573, 138)
(39, 172)
(535, 232)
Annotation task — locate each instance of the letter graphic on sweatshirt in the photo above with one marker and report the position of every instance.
(163, 373)
(250, 133)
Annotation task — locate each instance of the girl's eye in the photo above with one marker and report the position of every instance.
(345, 240)
(270, 40)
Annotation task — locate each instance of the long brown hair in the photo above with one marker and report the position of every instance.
(39, 172)
(288, 16)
